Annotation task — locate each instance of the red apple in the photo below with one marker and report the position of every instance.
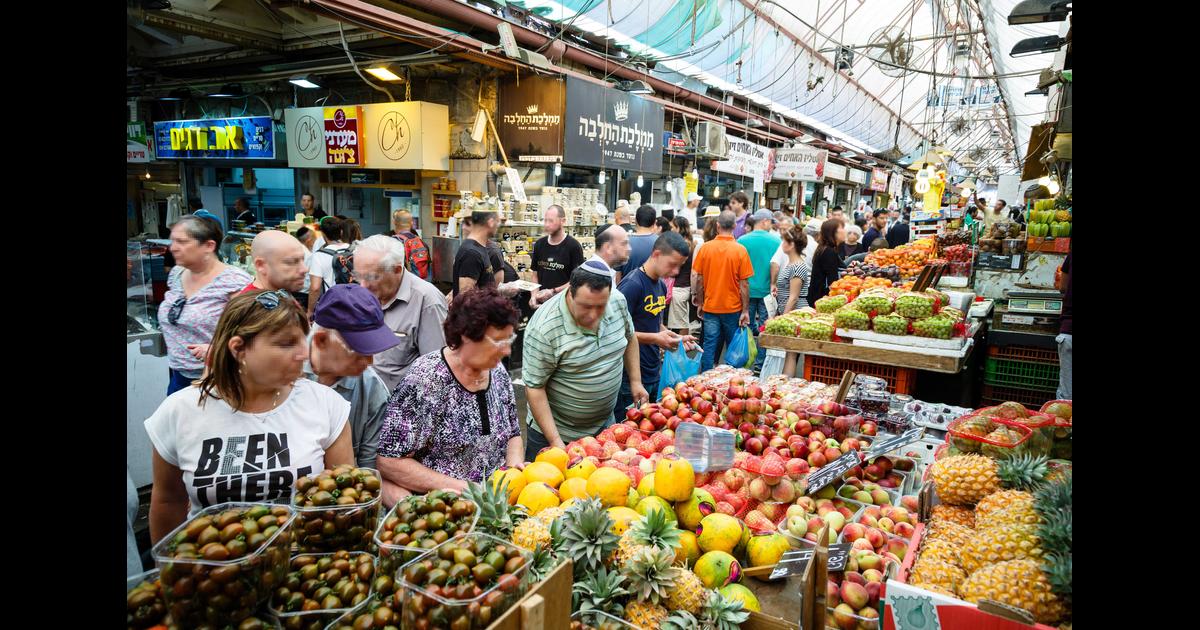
(648, 426)
(746, 427)
(816, 459)
(832, 453)
(707, 395)
(785, 453)
(709, 422)
(670, 402)
(802, 427)
(724, 425)
(753, 445)
(634, 425)
(673, 423)
(634, 415)
(867, 428)
(735, 392)
(711, 415)
(737, 406)
(754, 391)
(705, 407)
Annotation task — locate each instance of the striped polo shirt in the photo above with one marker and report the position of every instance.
(579, 369)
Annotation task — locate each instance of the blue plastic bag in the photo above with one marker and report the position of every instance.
(738, 352)
(677, 367)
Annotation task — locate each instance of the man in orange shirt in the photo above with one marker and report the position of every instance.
(721, 271)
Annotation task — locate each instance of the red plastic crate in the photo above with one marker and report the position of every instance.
(1024, 353)
(830, 370)
(995, 395)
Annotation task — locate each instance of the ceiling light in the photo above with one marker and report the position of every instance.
(640, 182)
(635, 87)
(227, 91)
(383, 72)
(304, 81)
(602, 178)
(176, 95)
(1037, 46)
(1038, 11)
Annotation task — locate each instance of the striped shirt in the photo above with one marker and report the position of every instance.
(579, 369)
(784, 284)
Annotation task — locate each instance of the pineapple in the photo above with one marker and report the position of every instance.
(600, 591)
(997, 544)
(928, 573)
(651, 575)
(645, 615)
(496, 516)
(722, 613)
(1021, 583)
(583, 534)
(939, 551)
(536, 530)
(652, 530)
(1001, 500)
(1013, 515)
(543, 563)
(680, 620)
(953, 513)
(967, 479)
(688, 593)
(952, 533)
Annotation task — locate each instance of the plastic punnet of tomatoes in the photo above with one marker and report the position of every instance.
(464, 583)
(144, 601)
(337, 510)
(218, 567)
(419, 523)
(380, 610)
(320, 587)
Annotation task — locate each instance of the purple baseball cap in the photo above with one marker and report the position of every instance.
(355, 313)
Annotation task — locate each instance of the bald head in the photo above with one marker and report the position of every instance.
(402, 220)
(621, 216)
(612, 245)
(278, 261)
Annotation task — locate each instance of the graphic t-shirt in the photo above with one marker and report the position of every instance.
(554, 263)
(475, 261)
(647, 300)
(228, 455)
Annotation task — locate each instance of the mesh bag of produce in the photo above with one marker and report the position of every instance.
(803, 313)
(952, 313)
(785, 325)
(851, 318)
(943, 299)
(873, 303)
(915, 305)
(831, 303)
(934, 327)
(819, 329)
(892, 324)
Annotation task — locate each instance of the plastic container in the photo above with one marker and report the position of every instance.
(144, 611)
(602, 621)
(705, 448)
(189, 599)
(318, 619)
(386, 598)
(896, 545)
(799, 542)
(419, 603)
(392, 556)
(874, 402)
(336, 527)
(838, 426)
(870, 383)
(893, 493)
(966, 442)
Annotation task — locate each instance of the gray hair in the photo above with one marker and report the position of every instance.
(726, 220)
(854, 229)
(392, 250)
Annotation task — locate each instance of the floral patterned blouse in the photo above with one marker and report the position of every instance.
(433, 419)
(198, 319)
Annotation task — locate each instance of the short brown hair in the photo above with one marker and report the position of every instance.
(473, 311)
(796, 237)
(243, 317)
(741, 198)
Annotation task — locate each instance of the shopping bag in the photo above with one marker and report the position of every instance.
(773, 364)
(738, 351)
(753, 350)
(772, 305)
(678, 366)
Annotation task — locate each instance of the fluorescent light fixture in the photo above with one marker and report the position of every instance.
(383, 72)
(227, 91)
(1038, 11)
(1037, 46)
(176, 95)
(635, 87)
(304, 81)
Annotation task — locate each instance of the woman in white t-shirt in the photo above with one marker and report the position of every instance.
(252, 425)
(320, 272)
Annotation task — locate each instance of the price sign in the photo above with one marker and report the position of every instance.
(833, 470)
(838, 555)
(518, 186)
(879, 447)
(794, 562)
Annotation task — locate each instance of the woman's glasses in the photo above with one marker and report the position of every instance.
(503, 343)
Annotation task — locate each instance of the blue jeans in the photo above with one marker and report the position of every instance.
(534, 442)
(719, 329)
(758, 317)
(625, 399)
(177, 381)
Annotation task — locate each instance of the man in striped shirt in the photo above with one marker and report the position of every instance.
(577, 345)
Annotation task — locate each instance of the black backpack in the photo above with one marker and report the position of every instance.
(343, 264)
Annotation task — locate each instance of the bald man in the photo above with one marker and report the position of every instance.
(621, 216)
(612, 249)
(278, 262)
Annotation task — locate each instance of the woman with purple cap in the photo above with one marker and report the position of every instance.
(453, 418)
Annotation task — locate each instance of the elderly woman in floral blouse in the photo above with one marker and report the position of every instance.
(453, 418)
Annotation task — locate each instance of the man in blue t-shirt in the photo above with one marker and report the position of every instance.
(641, 241)
(761, 244)
(646, 295)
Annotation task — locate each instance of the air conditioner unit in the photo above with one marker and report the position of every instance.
(711, 140)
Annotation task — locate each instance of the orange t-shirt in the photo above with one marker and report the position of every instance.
(723, 263)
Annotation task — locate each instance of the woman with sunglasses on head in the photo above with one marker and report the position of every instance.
(252, 425)
(453, 418)
(198, 288)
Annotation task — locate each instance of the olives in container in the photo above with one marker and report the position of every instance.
(381, 610)
(417, 524)
(144, 601)
(464, 583)
(217, 567)
(320, 587)
(337, 509)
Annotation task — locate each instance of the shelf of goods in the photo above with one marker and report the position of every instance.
(685, 511)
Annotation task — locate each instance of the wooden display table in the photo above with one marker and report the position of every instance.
(848, 351)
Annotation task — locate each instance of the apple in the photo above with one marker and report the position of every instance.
(725, 425)
(815, 524)
(674, 423)
(708, 397)
(876, 538)
(897, 547)
(817, 436)
(670, 402)
(634, 415)
(853, 531)
(835, 519)
(869, 560)
(833, 595)
(649, 426)
(868, 428)
(904, 530)
(873, 590)
(855, 595)
(658, 419)
(754, 445)
(778, 442)
(910, 503)
(832, 453)
(887, 524)
(816, 459)
(709, 422)
(746, 427)
(754, 391)
(872, 575)
(735, 392)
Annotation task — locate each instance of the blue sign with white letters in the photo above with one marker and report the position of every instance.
(247, 137)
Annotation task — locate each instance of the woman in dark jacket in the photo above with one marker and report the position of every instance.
(826, 261)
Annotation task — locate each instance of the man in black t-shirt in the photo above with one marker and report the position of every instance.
(555, 256)
(474, 265)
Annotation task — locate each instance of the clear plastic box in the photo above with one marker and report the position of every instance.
(392, 556)
(602, 621)
(144, 611)
(334, 527)
(317, 619)
(220, 592)
(799, 542)
(705, 448)
(419, 604)
(385, 593)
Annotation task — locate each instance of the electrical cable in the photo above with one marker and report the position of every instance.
(342, 34)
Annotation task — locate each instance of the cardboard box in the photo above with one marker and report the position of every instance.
(1060, 245)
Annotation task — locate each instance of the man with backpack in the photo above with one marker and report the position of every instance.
(416, 252)
(333, 264)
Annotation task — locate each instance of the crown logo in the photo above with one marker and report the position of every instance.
(532, 109)
(621, 111)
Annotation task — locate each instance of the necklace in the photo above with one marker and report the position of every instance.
(463, 368)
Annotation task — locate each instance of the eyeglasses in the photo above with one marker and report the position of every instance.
(271, 299)
(176, 310)
(503, 343)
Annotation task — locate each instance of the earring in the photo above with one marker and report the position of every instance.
(240, 371)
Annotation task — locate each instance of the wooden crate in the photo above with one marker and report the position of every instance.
(546, 605)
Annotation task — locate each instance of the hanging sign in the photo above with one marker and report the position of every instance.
(800, 164)
(529, 118)
(305, 137)
(514, 182)
(746, 159)
(879, 180)
(690, 184)
(673, 143)
(137, 147)
(835, 171)
(608, 128)
(242, 138)
(408, 135)
(860, 176)
(342, 146)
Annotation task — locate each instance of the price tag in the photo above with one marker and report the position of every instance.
(514, 182)
(794, 562)
(833, 470)
(879, 447)
(838, 554)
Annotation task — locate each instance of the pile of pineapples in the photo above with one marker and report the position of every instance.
(633, 576)
(1002, 532)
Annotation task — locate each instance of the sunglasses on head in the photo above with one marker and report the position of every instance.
(176, 310)
(270, 300)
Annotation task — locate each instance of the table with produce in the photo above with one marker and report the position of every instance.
(656, 540)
